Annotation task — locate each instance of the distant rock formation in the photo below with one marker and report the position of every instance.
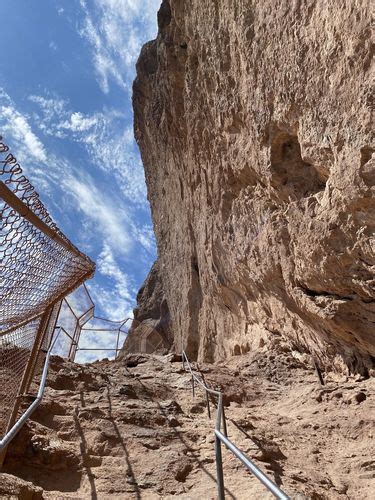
(254, 127)
(150, 329)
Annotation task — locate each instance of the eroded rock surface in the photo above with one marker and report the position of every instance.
(254, 127)
(132, 430)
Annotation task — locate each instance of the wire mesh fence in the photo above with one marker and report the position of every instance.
(38, 267)
(85, 337)
(38, 263)
(15, 350)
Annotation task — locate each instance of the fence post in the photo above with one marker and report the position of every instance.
(118, 340)
(27, 373)
(50, 325)
(74, 344)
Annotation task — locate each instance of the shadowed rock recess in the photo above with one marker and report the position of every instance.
(253, 120)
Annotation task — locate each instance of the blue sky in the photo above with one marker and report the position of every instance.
(65, 110)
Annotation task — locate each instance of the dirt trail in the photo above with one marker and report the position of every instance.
(107, 430)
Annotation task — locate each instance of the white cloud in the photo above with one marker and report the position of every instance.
(107, 217)
(107, 137)
(16, 126)
(145, 236)
(109, 267)
(116, 30)
(79, 123)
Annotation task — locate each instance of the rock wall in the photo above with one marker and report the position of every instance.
(150, 330)
(254, 127)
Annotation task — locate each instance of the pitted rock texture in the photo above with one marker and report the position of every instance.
(254, 127)
(132, 430)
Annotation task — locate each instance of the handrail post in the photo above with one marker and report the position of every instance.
(208, 405)
(219, 470)
(224, 420)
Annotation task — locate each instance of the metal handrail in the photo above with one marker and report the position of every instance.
(4, 442)
(222, 437)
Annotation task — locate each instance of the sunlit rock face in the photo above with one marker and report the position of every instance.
(253, 122)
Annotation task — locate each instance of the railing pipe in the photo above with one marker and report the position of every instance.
(222, 437)
(17, 426)
(208, 405)
(271, 486)
(219, 469)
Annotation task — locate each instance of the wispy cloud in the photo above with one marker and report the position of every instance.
(107, 137)
(118, 300)
(16, 125)
(105, 216)
(115, 30)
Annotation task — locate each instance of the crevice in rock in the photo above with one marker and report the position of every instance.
(290, 174)
(314, 293)
(366, 155)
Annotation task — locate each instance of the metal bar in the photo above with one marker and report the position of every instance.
(17, 426)
(88, 294)
(74, 343)
(86, 312)
(208, 405)
(111, 321)
(212, 391)
(96, 349)
(70, 307)
(66, 333)
(19, 206)
(224, 421)
(271, 486)
(219, 470)
(118, 339)
(99, 329)
(39, 341)
(222, 438)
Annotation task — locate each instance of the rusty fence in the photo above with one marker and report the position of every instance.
(39, 266)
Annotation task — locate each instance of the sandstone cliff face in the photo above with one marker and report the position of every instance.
(253, 122)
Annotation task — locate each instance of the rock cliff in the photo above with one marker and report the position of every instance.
(254, 127)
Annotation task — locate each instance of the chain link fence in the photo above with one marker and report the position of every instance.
(39, 266)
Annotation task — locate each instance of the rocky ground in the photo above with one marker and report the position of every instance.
(132, 430)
